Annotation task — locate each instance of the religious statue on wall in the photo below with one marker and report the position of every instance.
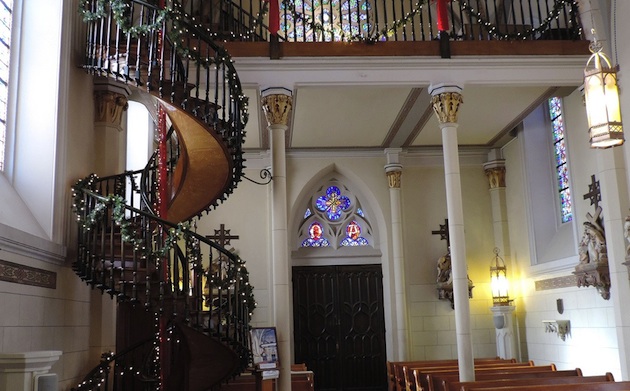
(444, 279)
(592, 270)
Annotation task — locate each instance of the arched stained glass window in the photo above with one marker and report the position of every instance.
(334, 218)
(6, 16)
(335, 20)
(560, 156)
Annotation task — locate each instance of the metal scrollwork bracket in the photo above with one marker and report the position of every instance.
(265, 175)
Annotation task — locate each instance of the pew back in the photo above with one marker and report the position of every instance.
(603, 386)
(468, 386)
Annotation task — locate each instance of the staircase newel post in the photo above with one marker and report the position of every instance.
(162, 210)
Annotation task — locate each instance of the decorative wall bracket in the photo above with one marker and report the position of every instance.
(596, 275)
(560, 327)
(445, 292)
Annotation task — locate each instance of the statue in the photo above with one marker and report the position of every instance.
(593, 244)
(444, 275)
(592, 269)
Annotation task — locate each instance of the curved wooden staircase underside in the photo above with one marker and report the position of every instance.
(204, 169)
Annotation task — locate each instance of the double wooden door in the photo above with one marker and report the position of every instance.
(339, 329)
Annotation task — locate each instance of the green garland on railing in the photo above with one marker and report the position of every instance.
(118, 205)
(120, 10)
(390, 31)
(237, 271)
(177, 35)
(373, 38)
(558, 5)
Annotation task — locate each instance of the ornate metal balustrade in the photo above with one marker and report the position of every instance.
(388, 20)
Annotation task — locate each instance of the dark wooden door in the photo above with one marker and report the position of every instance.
(339, 328)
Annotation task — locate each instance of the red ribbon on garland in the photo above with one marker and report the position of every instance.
(274, 16)
(442, 15)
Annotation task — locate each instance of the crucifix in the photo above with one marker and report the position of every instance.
(594, 192)
(222, 236)
(443, 232)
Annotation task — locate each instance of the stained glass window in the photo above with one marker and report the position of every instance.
(315, 236)
(334, 20)
(334, 218)
(6, 8)
(353, 236)
(560, 159)
(333, 203)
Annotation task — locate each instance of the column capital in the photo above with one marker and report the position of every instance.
(110, 102)
(277, 104)
(446, 100)
(495, 172)
(394, 175)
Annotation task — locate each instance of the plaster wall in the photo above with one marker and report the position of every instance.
(592, 343)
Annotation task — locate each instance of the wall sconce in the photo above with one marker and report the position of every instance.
(498, 281)
(601, 97)
(560, 327)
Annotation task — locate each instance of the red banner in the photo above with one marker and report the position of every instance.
(442, 15)
(274, 16)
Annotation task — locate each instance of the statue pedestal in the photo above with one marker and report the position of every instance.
(18, 370)
(594, 274)
(507, 338)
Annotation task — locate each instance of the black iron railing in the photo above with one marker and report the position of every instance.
(159, 266)
(389, 20)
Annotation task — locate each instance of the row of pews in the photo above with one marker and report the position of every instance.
(495, 374)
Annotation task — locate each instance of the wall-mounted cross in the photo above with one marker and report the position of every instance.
(443, 232)
(594, 192)
(222, 236)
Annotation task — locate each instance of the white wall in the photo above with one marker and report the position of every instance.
(592, 344)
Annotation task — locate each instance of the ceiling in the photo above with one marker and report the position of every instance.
(376, 117)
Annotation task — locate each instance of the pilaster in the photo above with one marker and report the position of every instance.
(110, 104)
(393, 170)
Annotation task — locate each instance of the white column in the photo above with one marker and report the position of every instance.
(17, 370)
(446, 100)
(277, 105)
(393, 170)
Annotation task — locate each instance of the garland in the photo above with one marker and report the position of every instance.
(236, 272)
(226, 279)
(380, 35)
(373, 38)
(120, 10)
(492, 29)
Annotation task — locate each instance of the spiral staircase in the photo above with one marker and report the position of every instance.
(184, 301)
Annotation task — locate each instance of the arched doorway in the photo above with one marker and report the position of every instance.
(338, 305)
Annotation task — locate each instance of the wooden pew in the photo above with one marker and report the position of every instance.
(428, 382)
(603, 386)
(444, 380)
(468, 386)
(395, 375)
